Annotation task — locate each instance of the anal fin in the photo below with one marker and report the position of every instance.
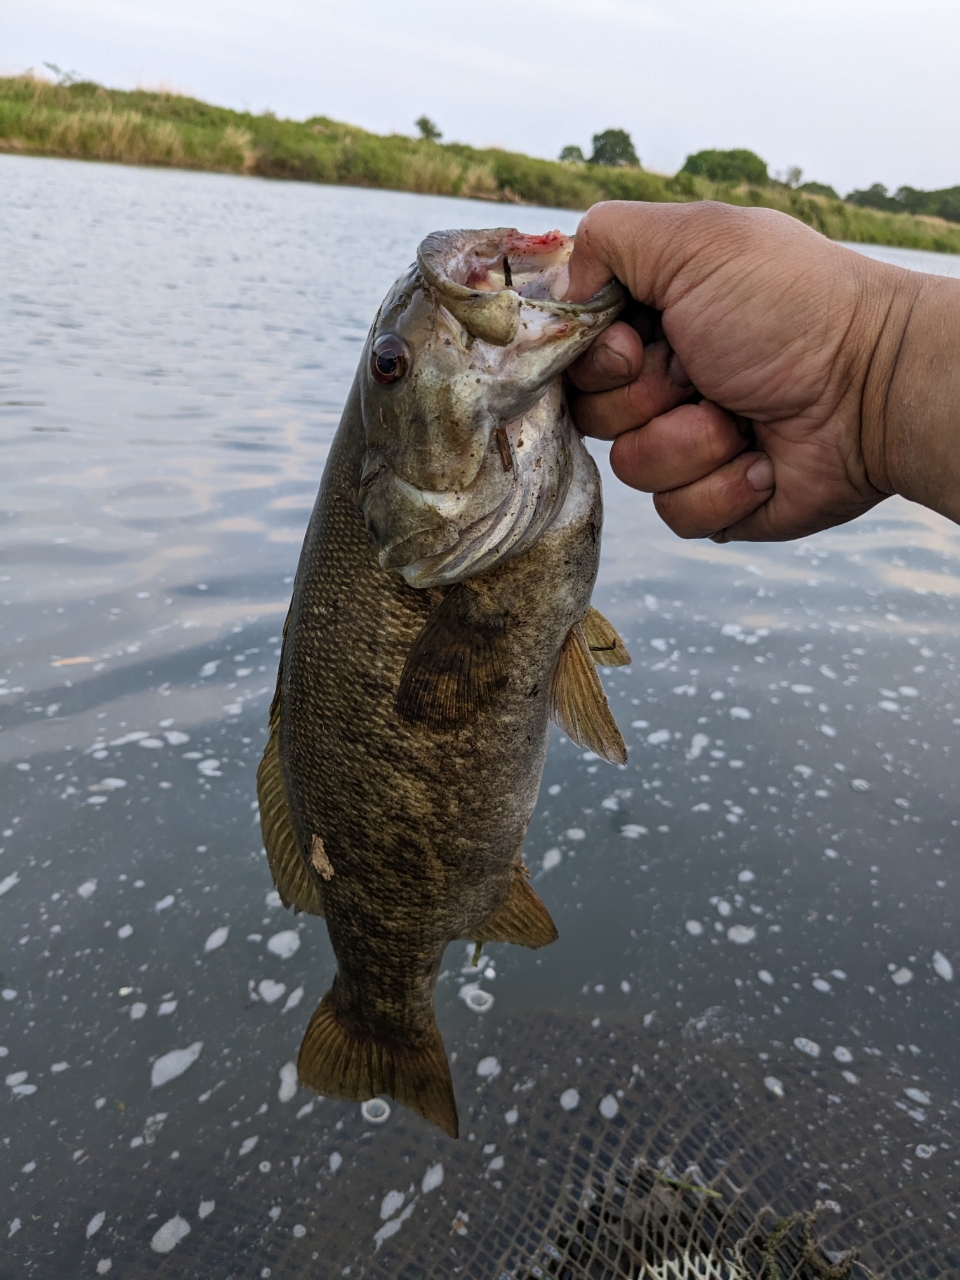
(341, 1062)
(456, 665)
(580, 705)
(295, 883)
(605, 645)
(523, 919)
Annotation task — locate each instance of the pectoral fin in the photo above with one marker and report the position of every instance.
(456, 665)
(295, 884)
(605, 645)
(580, 705)
(523, 919)
(341, 1062)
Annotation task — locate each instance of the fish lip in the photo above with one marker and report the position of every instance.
(494, 315)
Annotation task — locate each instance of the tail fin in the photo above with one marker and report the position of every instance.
(340, 1063)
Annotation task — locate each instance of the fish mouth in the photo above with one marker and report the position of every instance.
(522, 484)
(502, 281)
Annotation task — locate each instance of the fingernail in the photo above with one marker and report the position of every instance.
(610, 363)
(677, 373)
(760, 475)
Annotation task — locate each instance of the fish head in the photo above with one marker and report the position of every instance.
(467, 439)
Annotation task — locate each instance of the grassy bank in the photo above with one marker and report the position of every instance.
(86, 121)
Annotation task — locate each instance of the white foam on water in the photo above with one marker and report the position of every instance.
(270, 991)
(609, 1106)
(206, 1208)
(299, 1230)
(475, 998)
(633, 831)
(336, 1160)
(512, 1116)
(170, 1234)
(15, 1078)
(924, 1152)
(809, 1047)
(390, 1203)
(741, 934)
(209, 668)
(740, 713)
(217, 938)
(174, 1064)
(842, 1054)
(104, 1265)
(15, 1225)
(248, 1144)
(570, 1099)
(95, 1223)
(284, 944)
(57, 1067)
(850, 1077)
(488, 1068)
(765, 976)
(166, 1008)
(375, 1110)
(575, 833)
(658, 737)
(746, 876)
(918, 1096)
(821, 984)
(137, 1010)
(432, 1178)
(87, 889)
(393, 1226)
(7, 883)
(900, 977)
(774, 1086)
(162, 905)
(552, 858)
(292, 1000)
(176, 738)
(305, 1110)
(694, 928)
(288, 1082)
(942, 966)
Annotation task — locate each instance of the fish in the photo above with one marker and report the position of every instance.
(440, 616)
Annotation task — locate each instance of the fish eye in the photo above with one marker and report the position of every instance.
(389, 359)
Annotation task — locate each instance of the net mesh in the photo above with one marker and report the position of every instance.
(592, 1150)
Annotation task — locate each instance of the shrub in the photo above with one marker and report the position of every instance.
(738, 165)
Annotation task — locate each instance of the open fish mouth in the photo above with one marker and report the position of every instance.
(469, 449)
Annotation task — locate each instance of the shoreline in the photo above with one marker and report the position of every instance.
(86, 121)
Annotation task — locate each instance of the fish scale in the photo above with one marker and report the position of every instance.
(410, 726)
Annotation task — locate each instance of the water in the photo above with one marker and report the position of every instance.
(778, 861)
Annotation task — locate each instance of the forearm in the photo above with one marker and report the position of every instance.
(911, 410)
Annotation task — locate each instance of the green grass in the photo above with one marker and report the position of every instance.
(86, 121)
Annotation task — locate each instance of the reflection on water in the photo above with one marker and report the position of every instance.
(777, 860)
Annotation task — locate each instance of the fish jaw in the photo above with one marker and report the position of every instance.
(467, 455)
(518, 504)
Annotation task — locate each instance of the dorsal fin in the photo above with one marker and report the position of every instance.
(456, 665)
(523, 919)
(605, 645)
(580, 705)
(295, 883)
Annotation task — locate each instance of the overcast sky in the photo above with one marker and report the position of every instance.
(853, 91)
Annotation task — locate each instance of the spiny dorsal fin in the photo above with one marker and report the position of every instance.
(295, 884)
(341, 1062)
(580, 705)
(605, 645)
(456, 665)
(523, 919)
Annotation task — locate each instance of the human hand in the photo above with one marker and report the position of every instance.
(760, 413)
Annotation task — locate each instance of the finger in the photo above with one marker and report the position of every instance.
(720, 500)
(678, 448)
(613, 360)
(662, 386)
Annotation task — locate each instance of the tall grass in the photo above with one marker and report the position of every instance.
(90, 122)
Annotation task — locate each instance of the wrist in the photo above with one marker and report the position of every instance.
(910, 420)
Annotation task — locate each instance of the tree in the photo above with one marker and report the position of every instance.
(428, 130)
(874, 197)
(818, 189)
(614, 148)
(572, 155)
(738, 165)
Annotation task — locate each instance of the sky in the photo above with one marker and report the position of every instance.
(851, 91)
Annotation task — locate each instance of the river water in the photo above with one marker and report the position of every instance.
(776, 868)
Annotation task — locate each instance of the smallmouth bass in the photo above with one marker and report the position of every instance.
(440, 616)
